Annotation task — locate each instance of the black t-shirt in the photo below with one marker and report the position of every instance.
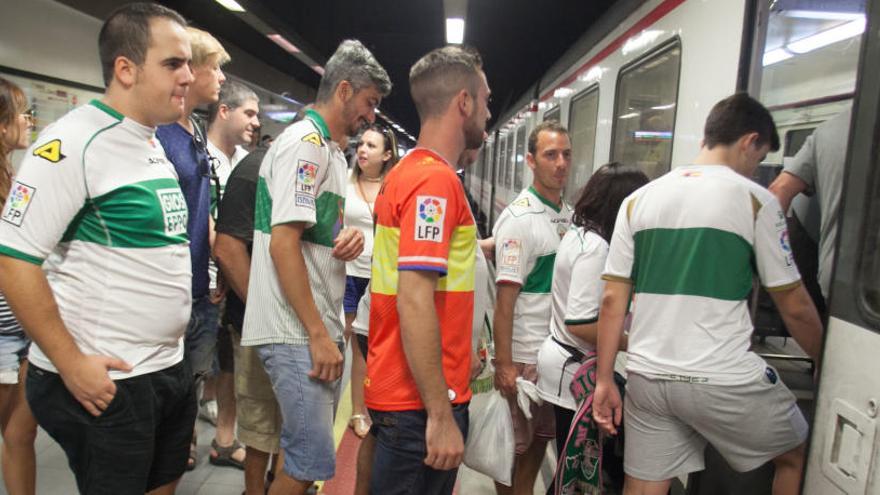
(236, 218)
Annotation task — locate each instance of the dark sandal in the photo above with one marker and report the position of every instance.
(224, 455)
(191, 460)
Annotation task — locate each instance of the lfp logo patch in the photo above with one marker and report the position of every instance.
(430, 211)
(307, 173)
(17, 205)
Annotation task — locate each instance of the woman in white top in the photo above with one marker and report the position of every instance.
(17, 424)
(577, 287)
(376, 154)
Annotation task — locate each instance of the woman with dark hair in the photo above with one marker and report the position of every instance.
(376, 154)
(17, 424)
(577, 287)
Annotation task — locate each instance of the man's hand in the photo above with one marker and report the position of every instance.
(444, 441)
(607, 407)
(488, 247)
(218, 293)
(505, 379)
(88, 381)
(326, 359)
(349, 244)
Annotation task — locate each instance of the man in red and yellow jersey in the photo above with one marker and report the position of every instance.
(418, 367)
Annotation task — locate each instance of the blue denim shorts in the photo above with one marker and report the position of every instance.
(399, 459)
(13, 348)
(200, 341)
(308, 408)
(354, 291)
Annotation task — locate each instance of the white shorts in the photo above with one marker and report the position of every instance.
(668, 424)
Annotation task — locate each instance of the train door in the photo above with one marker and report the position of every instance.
(842, 456)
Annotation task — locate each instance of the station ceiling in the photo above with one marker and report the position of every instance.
(518, 39)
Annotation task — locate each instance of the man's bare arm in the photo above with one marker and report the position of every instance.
(607, 406)
(234, 260)
(420, 335)
(285, 248)
(801, 319)
(30, 297)
(502, 326)
(785, 187)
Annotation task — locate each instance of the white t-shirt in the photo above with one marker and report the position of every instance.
(527, 235)
(302, 179)
(689, 242)
(577, 291)
(223, 166)
(97, 204)
(359, 214)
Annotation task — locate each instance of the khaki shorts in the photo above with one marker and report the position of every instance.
(542, 426)
(257, 411)
(668, 424)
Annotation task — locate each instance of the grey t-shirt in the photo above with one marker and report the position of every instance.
(820, 163)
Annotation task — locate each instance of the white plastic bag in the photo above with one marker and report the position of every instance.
(490, 447)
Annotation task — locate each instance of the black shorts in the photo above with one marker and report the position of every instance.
(139, 443)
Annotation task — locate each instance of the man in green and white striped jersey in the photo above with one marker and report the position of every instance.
(686, 248)
(527, 235)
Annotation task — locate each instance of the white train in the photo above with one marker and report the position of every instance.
(637, 89)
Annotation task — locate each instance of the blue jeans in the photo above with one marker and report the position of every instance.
(200, 341)
(399, 461)
(307, 411)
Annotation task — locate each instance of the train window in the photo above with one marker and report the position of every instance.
(644, 113)
(508, 174)
(582, 127)
(553, 114)
(808, 65)
(794, 139)
(870, 262)
(519, 162)
(502, 161)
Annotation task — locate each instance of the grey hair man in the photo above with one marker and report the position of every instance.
(299, 253)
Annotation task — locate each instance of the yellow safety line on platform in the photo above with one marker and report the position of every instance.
(343, 413)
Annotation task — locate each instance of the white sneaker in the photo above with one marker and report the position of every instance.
(208, 411)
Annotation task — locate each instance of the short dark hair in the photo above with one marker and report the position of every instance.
(233, 94)
(736, 116)
(439, 75)
(597, 206)
(126, 33)
(548, 126)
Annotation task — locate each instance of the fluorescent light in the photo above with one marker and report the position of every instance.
(827, 37)
(644, 39)
(822, 15)
(664, 107)
(629, 115)
(283, 43)
(454, 30)
(231, 5)
(318, 69)
(562, 92)
(776, 55)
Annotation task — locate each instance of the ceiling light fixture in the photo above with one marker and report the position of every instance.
(827, 37)
(318, 69)
(283, 43)
(454, 30)
(231, 5)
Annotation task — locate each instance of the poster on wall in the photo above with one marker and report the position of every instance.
(49, 101)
